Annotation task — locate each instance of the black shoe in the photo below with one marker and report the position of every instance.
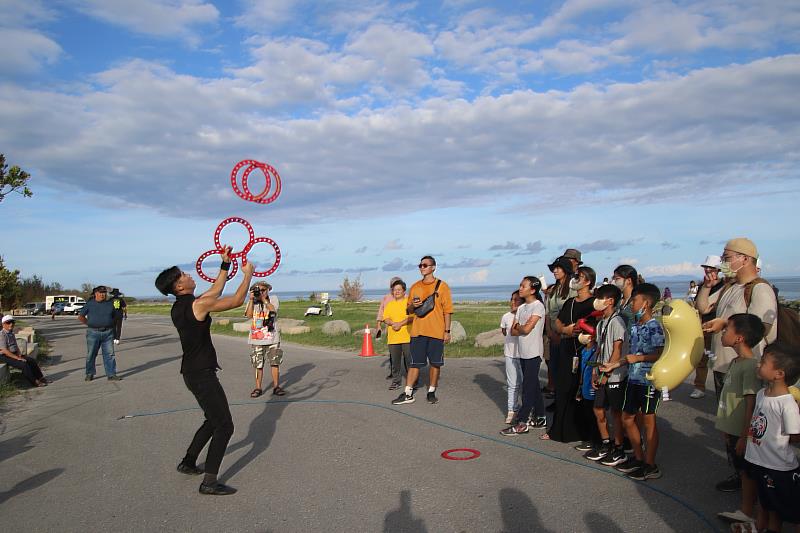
(188, 469)
(395, 385)
(731, 484)
(88, 377)
(598, 453)
(389, 376)
(403, 398)
(645, 472)
(584, 446)
(431, 397)
(537, 423)
(216, 489)
(629, 465)
(114, 378)
(617, 456)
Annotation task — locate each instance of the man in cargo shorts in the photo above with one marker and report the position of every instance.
(429, 330)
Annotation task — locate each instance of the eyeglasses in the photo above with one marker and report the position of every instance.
(423, 265)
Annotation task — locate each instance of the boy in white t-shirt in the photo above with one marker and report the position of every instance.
(513, 367)
(528, 327)
(776, 422)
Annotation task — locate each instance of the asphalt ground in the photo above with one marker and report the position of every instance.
(331, 455)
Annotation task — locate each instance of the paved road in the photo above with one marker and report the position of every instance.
(332, 455)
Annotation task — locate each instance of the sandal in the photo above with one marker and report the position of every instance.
(256, 393)
(277, 391)
(544, 436)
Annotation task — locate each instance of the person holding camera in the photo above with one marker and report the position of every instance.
(264, 338)
(431, 303)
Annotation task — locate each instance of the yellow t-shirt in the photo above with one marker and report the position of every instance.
(432, 324)
(396, 311)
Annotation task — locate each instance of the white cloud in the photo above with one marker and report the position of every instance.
(628, 261)
(676, 269)
(16, 13)
(394, 244)
(162, 18)
(479, 276)
(26, 50)
(396, 49)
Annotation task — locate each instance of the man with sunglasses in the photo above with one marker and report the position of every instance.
(429, 331)
(738, 265)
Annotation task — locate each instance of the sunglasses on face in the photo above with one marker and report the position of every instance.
(423, 265)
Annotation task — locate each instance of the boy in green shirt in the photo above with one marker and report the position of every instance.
(737, 401)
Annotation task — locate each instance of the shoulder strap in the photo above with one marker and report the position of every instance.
(748, 290)
(436, 288)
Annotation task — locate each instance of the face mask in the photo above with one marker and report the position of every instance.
(574, 284)
(637, 316)
(726, 270)
(584, 338)
(599, 305)
(619, 283)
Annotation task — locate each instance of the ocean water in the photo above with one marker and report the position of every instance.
(788, 288)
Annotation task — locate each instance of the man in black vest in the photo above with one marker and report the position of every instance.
(199, 366)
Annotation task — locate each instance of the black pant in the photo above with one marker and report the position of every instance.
(30, 368)
(532, 401)
(218, 425)
(118, 328)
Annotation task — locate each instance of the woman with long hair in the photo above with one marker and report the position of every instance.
(557, 293)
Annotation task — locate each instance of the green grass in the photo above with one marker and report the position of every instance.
(475, 317)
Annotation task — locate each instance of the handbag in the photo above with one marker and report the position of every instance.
(428, 303)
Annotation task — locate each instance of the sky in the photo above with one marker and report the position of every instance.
(491, 135)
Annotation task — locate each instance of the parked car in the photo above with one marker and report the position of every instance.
(58, 308)
(35, 308)
(73, 308)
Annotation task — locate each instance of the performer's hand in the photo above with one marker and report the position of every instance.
(226, 253)
(249, 268)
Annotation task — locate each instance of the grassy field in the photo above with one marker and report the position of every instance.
(475, 317)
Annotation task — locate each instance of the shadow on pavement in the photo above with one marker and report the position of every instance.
(16, 445)
(600, 523)
(519, 513)
(402, 519)
(30, 483)
(262, 428)
(146, 366)
(494, 389)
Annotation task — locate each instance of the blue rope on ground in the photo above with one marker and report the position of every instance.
(591, 466)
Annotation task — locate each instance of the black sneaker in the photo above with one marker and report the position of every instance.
(598, 453)
(537, 423)
(188, 469)
(517, 429)
(395, 385)
(114, 378)
(403, 398)
(629, 465)
(432, 397)
(88, 377)
(216, 489)
(731, 484)
(645, 472)
(584, 446)
(617, 456)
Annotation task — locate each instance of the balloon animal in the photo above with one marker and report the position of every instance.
(683, 348)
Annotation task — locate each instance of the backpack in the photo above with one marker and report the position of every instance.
(787, 319)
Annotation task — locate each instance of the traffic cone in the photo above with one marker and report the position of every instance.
(366, 344)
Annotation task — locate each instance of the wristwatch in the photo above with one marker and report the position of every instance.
(447, 331)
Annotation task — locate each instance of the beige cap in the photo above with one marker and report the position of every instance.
(572, 253)
(742, 245)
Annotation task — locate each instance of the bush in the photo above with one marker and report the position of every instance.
(351, 291)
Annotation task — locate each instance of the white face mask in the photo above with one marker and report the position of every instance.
(574, 284)
(726, 270)
(619, 283)
(599, 305)
(584, 338)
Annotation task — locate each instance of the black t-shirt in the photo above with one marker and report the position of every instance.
(198, 351)
(572, 310)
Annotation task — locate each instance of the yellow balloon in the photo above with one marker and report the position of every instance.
(683, 347)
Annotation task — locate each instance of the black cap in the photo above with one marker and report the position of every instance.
(99, 288)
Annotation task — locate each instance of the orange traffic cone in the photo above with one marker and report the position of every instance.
(366, 344)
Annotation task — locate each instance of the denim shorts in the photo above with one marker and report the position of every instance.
(425, 350)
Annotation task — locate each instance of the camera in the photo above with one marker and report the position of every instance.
(256, 292)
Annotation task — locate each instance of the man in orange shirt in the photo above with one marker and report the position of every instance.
(431, 303)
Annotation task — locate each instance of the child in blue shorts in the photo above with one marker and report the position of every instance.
(646, 345)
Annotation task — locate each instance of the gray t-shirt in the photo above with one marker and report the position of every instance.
(8, 341)
(532, 344)
(98, 314)
(608, 332)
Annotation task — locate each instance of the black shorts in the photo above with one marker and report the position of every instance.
(736, 461)
(778, 491)
(610, 396)
(426, 349)
(641, 398)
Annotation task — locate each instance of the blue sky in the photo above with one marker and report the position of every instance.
(492, 135)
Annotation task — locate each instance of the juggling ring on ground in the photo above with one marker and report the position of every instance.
(243, 253)
(269, 174)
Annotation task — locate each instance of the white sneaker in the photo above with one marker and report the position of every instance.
(510, 417)
(697, 393)
(735, 516)
(116, 341)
